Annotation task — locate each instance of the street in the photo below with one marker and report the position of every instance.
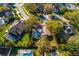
(21, 11)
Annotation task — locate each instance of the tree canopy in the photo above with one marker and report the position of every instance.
(43, 45)
(30, 7)
(3, 8)
(72, 45)
(73, 16)
(31, 22)
(54, 26)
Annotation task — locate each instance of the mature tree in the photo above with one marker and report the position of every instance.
(54, 26)
(48, 7)
(73, 16)
(43, 46)
(32, 21)
(63, 9)
(2, 41)
(3, 8)
(72, 45)
(30, 7)
(11, 18)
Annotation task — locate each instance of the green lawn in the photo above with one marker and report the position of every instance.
(25, 37)
(23, 42)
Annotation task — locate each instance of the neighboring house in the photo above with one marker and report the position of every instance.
(68, 29)
(69, 6)
(8, 13)
(36, 33)
(24, 52)
(2, 22)
(39, 28)
(56, 9)
(39, 9)
(15, 32)
(65, 32)
(4, 51)
(41, 17)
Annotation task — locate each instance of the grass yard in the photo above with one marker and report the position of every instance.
(24, 41)
(25, 37)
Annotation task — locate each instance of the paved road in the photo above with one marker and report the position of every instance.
(21, 11)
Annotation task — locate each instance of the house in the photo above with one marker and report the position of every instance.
(65, 32)
(68, 29)
(5, 51)
(69, 6)
(39, 8)
(36, 33)
(15, 32)
(39, 28)
(24, 52)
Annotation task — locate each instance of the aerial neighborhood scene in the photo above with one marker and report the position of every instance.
(39, 29)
